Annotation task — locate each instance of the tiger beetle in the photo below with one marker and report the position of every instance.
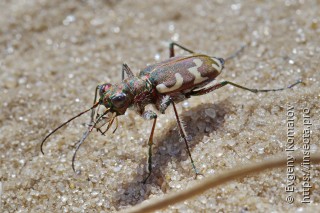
(161, 84)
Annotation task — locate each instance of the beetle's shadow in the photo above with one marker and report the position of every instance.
(199, 121)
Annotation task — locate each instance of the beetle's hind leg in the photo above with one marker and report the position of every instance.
(223, 83)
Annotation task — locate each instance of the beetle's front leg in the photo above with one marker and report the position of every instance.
(148, 115)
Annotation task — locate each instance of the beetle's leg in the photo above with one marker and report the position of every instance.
(184, 137)
(171, 48)
(148, 115)
(163, 103)
(93, 111)
(172, 44)
(126, 68)
(223, 83)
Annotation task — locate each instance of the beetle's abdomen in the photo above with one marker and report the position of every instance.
(182, 73)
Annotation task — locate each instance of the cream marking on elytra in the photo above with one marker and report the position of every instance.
(194, 71)
(163, 88)
(217, 65)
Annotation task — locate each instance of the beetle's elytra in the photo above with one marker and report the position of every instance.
(161, 84)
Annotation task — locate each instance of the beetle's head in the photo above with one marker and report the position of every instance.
(116, 97)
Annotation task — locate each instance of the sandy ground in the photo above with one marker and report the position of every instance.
(54, 53)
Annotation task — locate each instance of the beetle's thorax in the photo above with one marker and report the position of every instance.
(141, 90)
(135, 85)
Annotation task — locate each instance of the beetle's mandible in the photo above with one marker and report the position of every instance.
(161, 84)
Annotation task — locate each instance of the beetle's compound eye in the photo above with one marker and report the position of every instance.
(119, 100)
(103, 88)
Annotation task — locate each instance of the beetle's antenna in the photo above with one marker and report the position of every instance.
(235, 54)
(85, 135)
(56, 129)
